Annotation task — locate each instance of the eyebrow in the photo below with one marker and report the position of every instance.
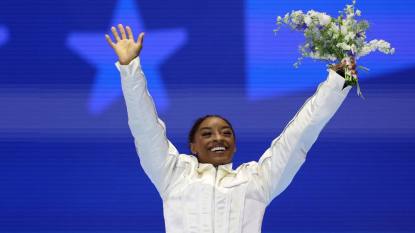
(224, 127)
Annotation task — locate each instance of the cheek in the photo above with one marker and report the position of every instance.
(200, 143)
(231, 141)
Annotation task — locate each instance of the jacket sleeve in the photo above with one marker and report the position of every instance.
(156, 153)
(278, 165)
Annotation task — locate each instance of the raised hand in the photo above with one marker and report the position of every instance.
(350, 63)
(125, 47)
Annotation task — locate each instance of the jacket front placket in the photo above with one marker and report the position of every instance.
(221, 200)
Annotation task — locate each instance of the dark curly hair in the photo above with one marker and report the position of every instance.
(199, 121)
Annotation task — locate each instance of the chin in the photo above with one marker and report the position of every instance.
(222, 161)
(216, 159)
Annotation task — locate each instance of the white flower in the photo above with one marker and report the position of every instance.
(286, 18)
(331, 39)
(364, 51)
(343, 46)
(383, 46)
(308, 20)
(350, 36)
(333, 27)
(332, 58)
(353, 48)
(343, 29)
(312, 13)
(316, 32)
(297, 17)
(324, 19)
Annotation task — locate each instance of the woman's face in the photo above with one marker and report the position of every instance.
(214, 142)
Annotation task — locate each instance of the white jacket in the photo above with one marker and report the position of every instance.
(199, 198)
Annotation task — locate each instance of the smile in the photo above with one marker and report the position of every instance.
(218, 149)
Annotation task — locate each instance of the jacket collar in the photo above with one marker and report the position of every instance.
(207, 166)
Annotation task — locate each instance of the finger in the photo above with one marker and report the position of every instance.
(121, 28)
(130, 33)
(115, 33)
(354, 73)
(109, 40)
(352, 66)
(336, 66)
(140, 38)
(343, 62)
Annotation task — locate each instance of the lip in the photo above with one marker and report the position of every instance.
(218, 145)
(222, 152)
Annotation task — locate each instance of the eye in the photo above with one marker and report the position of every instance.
(227, 133)
(206, 134)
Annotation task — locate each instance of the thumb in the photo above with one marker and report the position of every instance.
(140, 38)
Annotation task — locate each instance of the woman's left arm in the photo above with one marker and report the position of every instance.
(278, 165)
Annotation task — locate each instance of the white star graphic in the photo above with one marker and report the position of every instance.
(158, 45)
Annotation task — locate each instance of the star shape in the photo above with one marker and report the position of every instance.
(4, 35)
(158, 46)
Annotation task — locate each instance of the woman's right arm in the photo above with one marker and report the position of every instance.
(158, 156)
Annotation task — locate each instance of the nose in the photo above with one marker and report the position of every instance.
(218, 136)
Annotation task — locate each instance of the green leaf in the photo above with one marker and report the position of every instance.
(363, 68)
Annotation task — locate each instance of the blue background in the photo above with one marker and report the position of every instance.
(68, 163)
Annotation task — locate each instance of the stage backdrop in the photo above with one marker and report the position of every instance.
(67, 159)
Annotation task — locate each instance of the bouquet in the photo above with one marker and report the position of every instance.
(334, 40)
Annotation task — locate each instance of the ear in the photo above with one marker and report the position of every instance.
(193, 148)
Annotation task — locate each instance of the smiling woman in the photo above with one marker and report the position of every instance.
(202, 192)
(212, 140)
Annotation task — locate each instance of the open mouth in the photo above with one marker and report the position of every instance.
(218, 149)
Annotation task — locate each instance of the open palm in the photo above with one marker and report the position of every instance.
(125, 47)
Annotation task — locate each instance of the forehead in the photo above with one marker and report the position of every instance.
(213, 122)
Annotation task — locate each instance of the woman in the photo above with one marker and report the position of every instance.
(202, 192)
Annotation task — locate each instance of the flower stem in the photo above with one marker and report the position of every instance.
(353, 81)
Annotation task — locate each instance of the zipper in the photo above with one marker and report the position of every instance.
(214, 200)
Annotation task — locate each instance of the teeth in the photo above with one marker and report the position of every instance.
(218, 148)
